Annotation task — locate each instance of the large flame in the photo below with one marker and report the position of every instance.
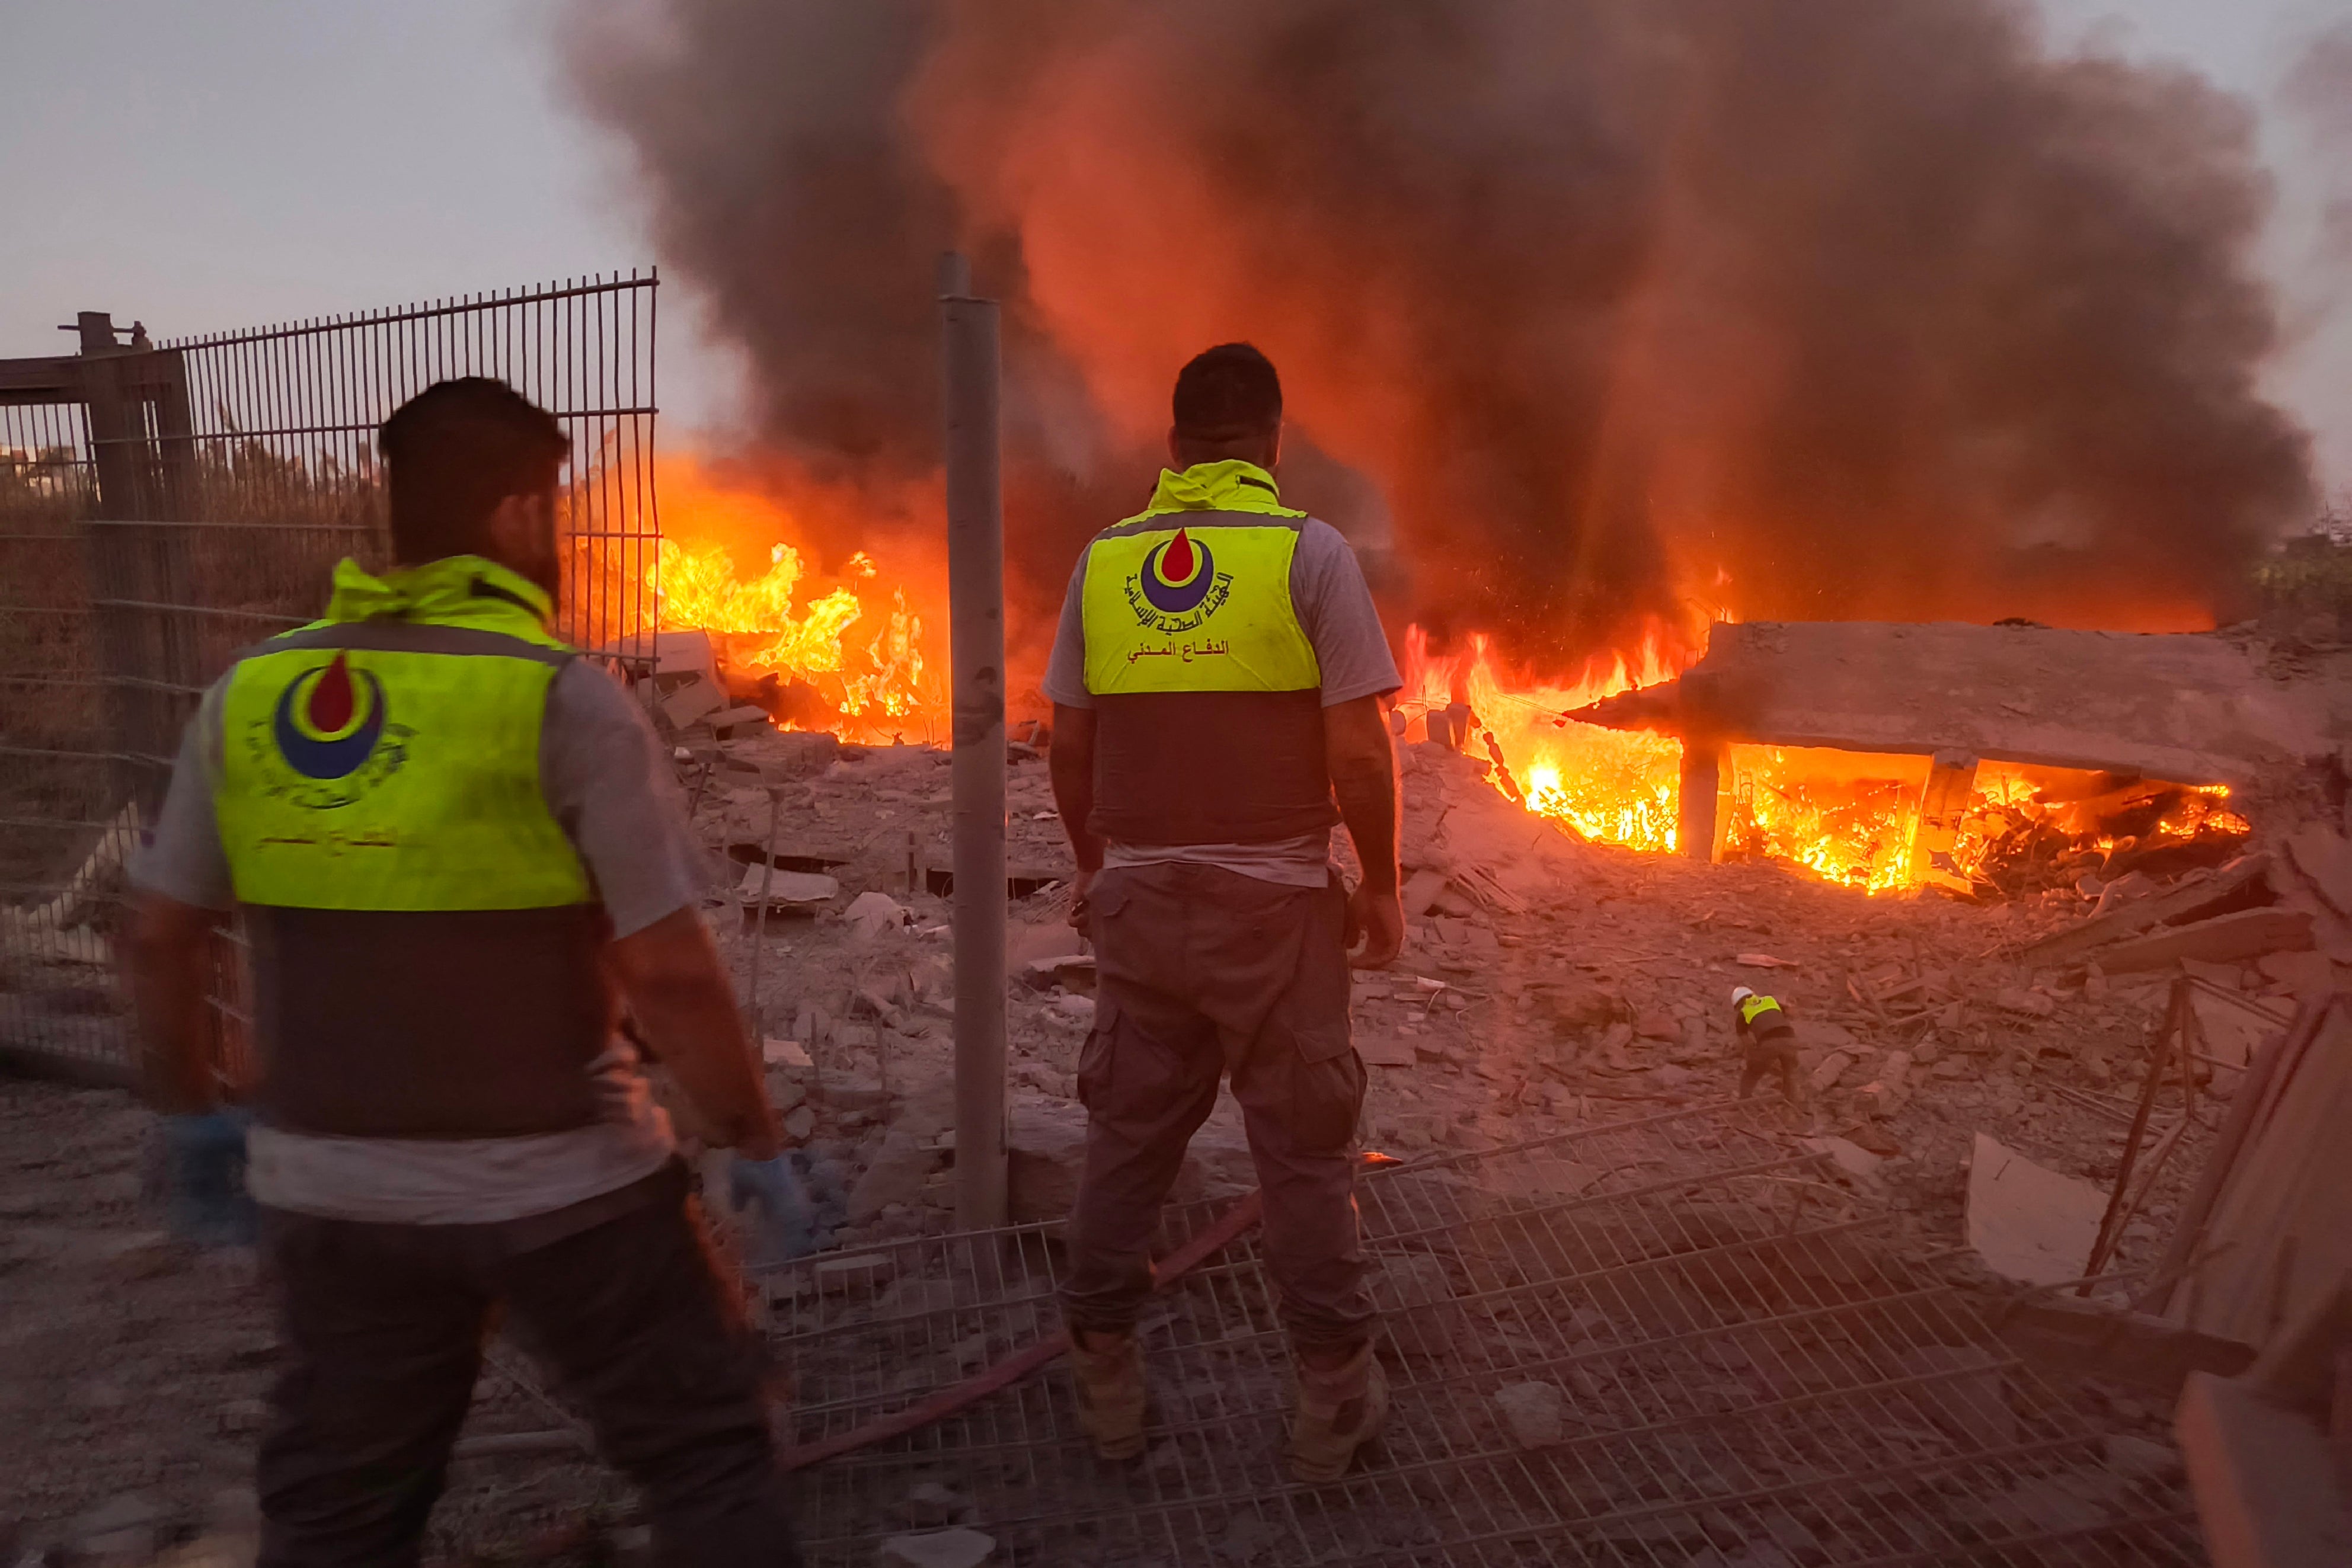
(850, 654)
(1611, 785)
(856, 652)
(1848, 818)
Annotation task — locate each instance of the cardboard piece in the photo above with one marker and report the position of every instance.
(2028, 1222)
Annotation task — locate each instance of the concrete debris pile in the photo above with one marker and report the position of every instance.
(1544, 982)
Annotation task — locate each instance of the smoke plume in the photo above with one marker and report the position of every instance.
(1826, 310)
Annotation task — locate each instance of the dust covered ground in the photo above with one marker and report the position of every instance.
(1550, 984)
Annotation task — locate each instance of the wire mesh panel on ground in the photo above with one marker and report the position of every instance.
(192, 500)
(1661, 1341)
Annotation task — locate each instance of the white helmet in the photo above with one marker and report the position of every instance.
(1740, 994)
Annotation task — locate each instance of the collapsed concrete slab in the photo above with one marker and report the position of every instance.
(2208, 707)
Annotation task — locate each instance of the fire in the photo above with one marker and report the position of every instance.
(1845, 818)
(1612, 787)
(851, 656)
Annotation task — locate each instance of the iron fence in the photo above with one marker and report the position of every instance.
(1668, 1341)
(163, 507)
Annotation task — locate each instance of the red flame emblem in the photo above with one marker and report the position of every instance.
(1176, 565)
(331, 700)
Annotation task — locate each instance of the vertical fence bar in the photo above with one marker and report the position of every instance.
(976, 634)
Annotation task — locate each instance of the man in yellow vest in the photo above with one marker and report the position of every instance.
(1217, 683)
(1768, 1042)
(452, 841)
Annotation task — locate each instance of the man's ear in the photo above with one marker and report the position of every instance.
(522, 529)
(1174, 461)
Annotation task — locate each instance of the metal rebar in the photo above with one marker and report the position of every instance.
(760, 924)
(976, 634)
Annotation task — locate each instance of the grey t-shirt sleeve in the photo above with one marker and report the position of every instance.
(613, 792)
(1066, 670)
(185, 859)
(1335, 609)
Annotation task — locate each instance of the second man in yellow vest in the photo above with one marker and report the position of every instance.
(456, 848)
(1217, 682)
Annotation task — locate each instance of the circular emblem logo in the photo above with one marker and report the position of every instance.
(1179, 574)
(326, 726)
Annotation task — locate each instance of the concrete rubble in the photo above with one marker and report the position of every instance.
(1544, 982)
(2229, 707)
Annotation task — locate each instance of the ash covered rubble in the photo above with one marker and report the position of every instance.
(1546, 983)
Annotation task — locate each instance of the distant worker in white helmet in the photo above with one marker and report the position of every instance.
(1769, 1039)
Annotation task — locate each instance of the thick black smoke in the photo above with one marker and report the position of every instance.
(1829, 309)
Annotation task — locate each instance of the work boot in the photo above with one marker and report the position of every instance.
(1340, 1408)
(1109, 1371)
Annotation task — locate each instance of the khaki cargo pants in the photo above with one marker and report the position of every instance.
(1205, 972)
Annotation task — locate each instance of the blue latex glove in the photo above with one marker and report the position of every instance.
(205, 1198)
(782, 1219)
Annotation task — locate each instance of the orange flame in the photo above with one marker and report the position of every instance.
(852, 656)
(1844, 817)
(1609, 785)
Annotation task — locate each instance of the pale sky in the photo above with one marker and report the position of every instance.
(225, 164)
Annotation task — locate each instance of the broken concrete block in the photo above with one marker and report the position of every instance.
(936, 1549)
(2320, 854)
(2024, 1003)
(1532, 1411)
(871, 913)
(2300, 972)
(785, 886)
(785, 1053)
(730, 722)
(1385, 1051)
(785, 1089)
(844, 1094)
(2028, 1222)
(799, 1123)
(1847, 1155)
(697, 698)
(2247, 934)
(683, 654)
(1889, 1091)
(2236, 885)
(1421, 891)
(1831, 1068)
(1658, 1025)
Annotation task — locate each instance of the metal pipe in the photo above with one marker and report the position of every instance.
(976, 635)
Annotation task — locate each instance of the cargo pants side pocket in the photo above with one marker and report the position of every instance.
(1326, 1090)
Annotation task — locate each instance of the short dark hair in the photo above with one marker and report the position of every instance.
(1228, 393)
(453, 452)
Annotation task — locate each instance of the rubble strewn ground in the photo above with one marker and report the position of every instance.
(1549, 983)
(1546, 984)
